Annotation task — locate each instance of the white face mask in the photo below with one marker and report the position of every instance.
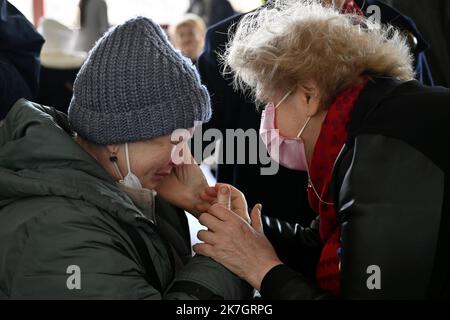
(143, 198)
(130, 180)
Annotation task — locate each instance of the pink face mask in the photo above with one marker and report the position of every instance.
(289, 152)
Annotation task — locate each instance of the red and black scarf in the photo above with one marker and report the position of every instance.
(332, 138)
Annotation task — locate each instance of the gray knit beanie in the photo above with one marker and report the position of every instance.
(135, 86)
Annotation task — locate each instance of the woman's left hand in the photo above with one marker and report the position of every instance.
(240, 247)
(184, 188)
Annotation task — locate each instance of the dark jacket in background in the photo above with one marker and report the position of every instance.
(419, 46)
(56, 87)
(282, 195)
(20, 47)
(433, 20)
(231, 110)
(211, 11)
(391, 185)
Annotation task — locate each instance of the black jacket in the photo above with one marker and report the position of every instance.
(391, 185)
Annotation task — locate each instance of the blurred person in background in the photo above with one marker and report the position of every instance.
(188, 36)
(93, 23)
(20, 47)
(211, 11)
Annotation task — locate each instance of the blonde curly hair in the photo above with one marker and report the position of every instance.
(295, 41)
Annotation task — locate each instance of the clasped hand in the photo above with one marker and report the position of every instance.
(232, 238)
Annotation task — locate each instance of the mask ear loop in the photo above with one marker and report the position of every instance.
(303, 128)
(284, 98)
(128, 158)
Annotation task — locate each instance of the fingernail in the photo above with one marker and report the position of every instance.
(224, 190)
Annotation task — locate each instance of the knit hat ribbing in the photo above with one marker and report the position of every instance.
(136, 86)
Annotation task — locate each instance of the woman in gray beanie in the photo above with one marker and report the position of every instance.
(79, 215)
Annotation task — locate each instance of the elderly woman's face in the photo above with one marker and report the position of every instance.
(151, 160)
(294, 112)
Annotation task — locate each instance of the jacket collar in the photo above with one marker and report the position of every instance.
(372, 95)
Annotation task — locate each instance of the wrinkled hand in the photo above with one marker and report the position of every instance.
(239, 246)
(184, 186)
(229, 197)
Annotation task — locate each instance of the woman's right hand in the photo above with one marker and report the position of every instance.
(229, 197)
(239, 246)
